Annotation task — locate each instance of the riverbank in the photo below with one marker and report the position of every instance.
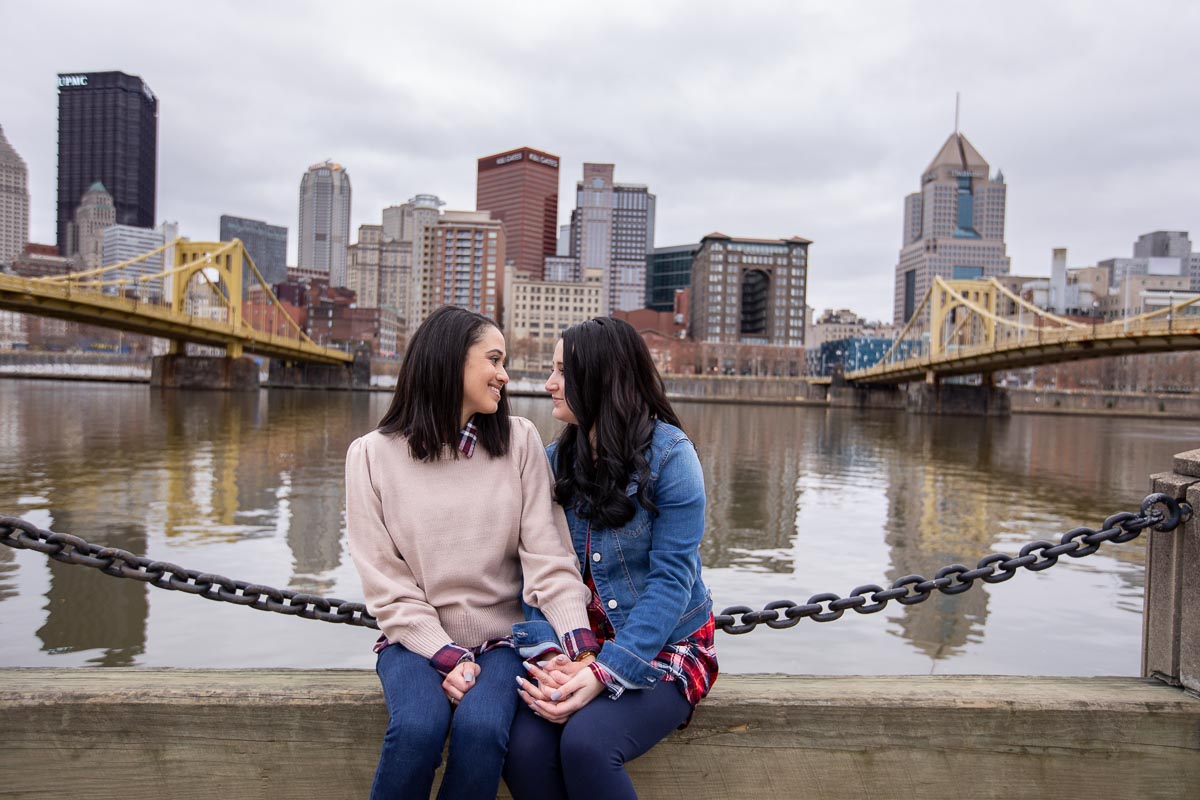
(745, 390)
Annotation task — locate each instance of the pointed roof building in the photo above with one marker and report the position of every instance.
(14, 202)
(957, 155)
(953, 226)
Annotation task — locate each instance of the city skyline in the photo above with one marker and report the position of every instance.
(765, 122)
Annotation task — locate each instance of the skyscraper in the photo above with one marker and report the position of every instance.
(107, 133)
(520, 188)
(325, 220)
(466, 263)
(953, 227)
(14, 202)
(85, 233)
(266, 245)
(612, 229)
(126, 242)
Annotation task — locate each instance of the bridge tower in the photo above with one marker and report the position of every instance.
(949, 328)
(224, 270)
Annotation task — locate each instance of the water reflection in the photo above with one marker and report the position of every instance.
(751, 469)
(87, 610)
(8, 573)
(799, 501)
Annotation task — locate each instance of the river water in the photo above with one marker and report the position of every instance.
(800, 501)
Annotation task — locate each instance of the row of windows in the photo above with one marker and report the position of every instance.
(552, 308)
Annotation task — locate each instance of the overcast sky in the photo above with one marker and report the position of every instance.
(754, 119)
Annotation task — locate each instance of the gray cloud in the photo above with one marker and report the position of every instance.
(765, 119)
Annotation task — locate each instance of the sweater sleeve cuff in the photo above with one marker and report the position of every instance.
(449, 657)
(566, 616)
(580, 641)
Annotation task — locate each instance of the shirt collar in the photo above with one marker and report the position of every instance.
(467, 438)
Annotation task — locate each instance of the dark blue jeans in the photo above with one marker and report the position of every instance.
(586, 757)
(420, 716)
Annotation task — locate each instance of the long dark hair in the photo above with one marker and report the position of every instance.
(615, 392)
(427, 405)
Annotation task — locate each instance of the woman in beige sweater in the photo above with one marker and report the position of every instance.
(451, 519)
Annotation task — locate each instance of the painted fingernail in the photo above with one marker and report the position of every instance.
(520, 681)
(555, 695)
(543, 664)
(561, 659)
(528, 667)
(468, 677)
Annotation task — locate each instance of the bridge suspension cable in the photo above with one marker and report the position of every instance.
(75, 276)
(1028, 306)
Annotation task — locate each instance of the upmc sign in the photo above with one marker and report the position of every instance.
(72, 80)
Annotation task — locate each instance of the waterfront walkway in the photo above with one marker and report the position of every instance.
(182, 734)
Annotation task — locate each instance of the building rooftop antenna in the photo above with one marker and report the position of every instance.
(956, 105)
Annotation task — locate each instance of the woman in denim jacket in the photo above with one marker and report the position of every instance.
(633, 491)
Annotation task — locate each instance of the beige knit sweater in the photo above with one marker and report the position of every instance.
(444, 547)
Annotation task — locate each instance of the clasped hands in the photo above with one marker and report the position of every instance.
(562, 688)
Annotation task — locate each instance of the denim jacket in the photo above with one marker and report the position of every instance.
(647, 572)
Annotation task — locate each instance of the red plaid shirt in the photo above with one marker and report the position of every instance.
(692, 660)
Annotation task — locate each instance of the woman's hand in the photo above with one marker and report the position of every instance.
(557, 703)
(460, 680)
(560, 669)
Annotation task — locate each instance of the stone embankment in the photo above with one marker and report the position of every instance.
(702, 388)
(134, 733)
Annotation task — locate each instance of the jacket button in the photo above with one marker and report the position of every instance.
(612, 603)
(595, 556)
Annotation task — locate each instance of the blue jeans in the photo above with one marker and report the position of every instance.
(420, 716)
(586, 757)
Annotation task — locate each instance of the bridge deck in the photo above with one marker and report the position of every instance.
(1043, 347)
(62, 301)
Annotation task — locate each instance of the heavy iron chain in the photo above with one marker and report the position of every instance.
(1159, 511)
(70, 549)
(956, 578)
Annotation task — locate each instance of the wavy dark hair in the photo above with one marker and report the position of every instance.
(427, 405)
(617, 396)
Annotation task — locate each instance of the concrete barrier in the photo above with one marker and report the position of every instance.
(1171, 612)
(138, 733)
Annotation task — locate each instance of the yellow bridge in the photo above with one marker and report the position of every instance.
(197, 298)
(980, 328)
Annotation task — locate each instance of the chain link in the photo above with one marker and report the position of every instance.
(70, 549)
(1159, 511)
